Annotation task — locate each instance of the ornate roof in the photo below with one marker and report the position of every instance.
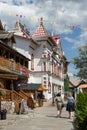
(40, 31)
(21, 30)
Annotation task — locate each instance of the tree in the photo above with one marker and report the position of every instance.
(80, 62)
(66, 84)
(80, 119)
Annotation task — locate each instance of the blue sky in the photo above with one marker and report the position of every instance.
(65, 17)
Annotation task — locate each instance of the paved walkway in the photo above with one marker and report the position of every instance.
(42, 118)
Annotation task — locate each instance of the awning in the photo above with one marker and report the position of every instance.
(38, 87)
(83, 86)
(42, 88)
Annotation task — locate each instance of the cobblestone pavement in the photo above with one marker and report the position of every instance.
(42, 118)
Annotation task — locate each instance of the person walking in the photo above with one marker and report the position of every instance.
(70, 104)
(59, 104)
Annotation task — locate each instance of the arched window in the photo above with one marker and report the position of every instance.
(32, 62)
(49, 85)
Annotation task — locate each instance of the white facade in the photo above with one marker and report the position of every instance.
(22, 45)
(43, 59)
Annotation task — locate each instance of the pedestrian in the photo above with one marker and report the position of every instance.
(59, 104)
(70, 104)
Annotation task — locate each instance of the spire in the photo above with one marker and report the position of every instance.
(40, 31)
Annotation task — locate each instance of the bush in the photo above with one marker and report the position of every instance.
(80, 121)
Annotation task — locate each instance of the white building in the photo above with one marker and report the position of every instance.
(48, 64)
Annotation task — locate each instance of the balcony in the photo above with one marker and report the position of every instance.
(10, 66)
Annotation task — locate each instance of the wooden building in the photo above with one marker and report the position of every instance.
(13, 69)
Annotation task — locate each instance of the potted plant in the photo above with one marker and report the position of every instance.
(2, 92)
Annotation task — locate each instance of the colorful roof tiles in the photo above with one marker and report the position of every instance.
(40, 31)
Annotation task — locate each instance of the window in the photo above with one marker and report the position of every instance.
(26, 64)
(21, 62)
(44, 46)
(44, 66)
(44, 81)
(44, 55)
(49, 85)
(44, 78)
(32, 62)
(48, 56)
(17, 60)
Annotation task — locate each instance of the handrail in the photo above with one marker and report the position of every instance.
(16, 96)
(23, 94)
(21, 91)
(12, 95)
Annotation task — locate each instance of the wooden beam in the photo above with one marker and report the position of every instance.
(9, 76)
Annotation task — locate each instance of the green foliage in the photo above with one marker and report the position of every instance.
(80, 62)
(2, 92)
(80, 121)
(66, 84)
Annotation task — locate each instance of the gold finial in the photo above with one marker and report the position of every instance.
(41, 21)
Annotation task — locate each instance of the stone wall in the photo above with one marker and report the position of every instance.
(9, 106)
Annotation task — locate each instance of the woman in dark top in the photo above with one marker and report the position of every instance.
(70, 104)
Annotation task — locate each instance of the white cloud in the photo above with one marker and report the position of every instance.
(70, 74)
(64, 12)
(58, 15)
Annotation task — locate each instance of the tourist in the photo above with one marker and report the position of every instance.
(59, 104)
(70, 104)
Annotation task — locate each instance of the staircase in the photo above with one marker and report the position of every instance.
(12, 95)
(27, 98)
(17, 98)
(23, 94)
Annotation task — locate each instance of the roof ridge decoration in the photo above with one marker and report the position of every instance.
(40, 31)
(21, 30)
